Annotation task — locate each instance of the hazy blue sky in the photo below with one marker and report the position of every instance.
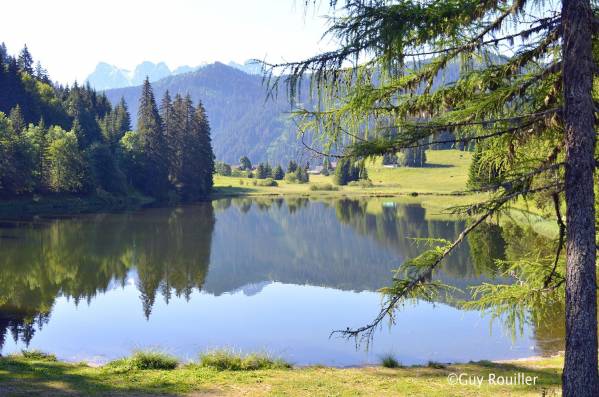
(70, 37)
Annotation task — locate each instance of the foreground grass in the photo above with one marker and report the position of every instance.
(22, 376)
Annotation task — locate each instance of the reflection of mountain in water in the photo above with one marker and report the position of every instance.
(336, 244)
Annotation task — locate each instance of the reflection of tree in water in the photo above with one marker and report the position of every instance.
(399, 226)
(81, 257)
(341, 244)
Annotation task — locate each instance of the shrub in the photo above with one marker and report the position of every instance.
(227, 360)
(266, 182)
(37, 355)
(290, 177)
(388, 361)
(222, 168)
(436, 365)
(238, 173)
(143, 360)
(323, 187)
(364, 183)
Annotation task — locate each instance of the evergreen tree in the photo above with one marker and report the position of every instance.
(412, 157)
(245, 164)
(342, 172)
(122, 119)
(278, 173)
(261, 172)
(389, 159)
(154, 180)
(25, 61)
(533, 101)
(17, 120)
(292, 166)
(37, 136)
(202, 154)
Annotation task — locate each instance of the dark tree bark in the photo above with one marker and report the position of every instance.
(580, 377)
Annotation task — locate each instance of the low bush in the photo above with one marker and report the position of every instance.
(266, 182)
(365, 183)
(227, 360)
(436, 365)
(37, 355)
(143, 360)
(290, 177)
(388, 361)
(323, 187)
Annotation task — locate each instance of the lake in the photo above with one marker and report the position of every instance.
(269, 275)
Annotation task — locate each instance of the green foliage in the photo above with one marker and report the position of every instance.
(413, 157)
(37, 355)
(104, 170)
(222, 168)
(262, 171)
(363, 183)
(291, 178)
(486, 169)
(407, 75)
(68, 172)
(145, 360)
(348, 171)
(278, 173)
(245, 164)
(389, 361)
(265, 182)
(300, 175)
(326, 187)
(226, 360)
(292, 166)
(88, 146)
(389, 159)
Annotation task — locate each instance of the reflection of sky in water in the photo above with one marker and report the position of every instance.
(277, 282)
(287, 320)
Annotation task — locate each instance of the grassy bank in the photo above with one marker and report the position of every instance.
(34, 375)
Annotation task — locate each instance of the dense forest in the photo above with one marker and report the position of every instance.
(244, 122)
(71, 140)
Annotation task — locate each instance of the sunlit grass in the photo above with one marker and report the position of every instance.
(143, 360)
(228, 360)
(20, 376)
(447, 173)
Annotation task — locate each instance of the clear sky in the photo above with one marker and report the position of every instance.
(69, 37)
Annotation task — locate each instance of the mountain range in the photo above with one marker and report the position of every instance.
(107, 76)
(243, 121)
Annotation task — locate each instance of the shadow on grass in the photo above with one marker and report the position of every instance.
(436, 165)
(548, 378)
(20, 377)
(225, 191)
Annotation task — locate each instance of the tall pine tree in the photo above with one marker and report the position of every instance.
(154, 180)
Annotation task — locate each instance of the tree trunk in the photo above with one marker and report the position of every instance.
(580, 377)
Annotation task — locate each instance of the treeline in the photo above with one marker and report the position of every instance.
(295, 173)
(70, 140)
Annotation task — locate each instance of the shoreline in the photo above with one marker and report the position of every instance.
(42, 374)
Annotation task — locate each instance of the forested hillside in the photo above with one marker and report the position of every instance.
(243, 121)
(71, 140)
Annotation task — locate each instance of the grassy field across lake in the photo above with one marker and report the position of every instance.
(446, 173)
(37, 375)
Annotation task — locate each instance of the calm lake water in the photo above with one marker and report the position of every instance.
(252, 275)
